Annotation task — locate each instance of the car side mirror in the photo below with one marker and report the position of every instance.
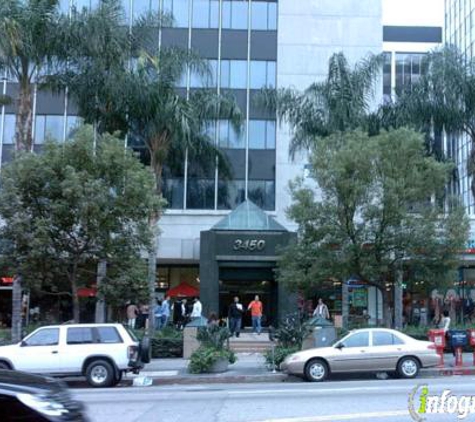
(23, 343)
(339, 346)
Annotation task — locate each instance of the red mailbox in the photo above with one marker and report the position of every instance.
(438, 338)
(471, 340)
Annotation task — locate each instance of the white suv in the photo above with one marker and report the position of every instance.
(101, 352)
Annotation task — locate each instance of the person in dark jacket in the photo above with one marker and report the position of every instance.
(235, 313)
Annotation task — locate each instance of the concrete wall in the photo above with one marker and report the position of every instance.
(309, 33)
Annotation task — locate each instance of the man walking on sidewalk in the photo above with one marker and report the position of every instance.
(235, 317)
(256, 313)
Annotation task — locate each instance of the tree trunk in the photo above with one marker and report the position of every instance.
(24, 120)
(100, 316)
(16, 309)
(74, 292)
(398, 298)
(387, 311)
(152, 274)
(345, 304)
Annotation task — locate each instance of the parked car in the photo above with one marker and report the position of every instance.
(366, 350)
(34, 398)
(100, 352)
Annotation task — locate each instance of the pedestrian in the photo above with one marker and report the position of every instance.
(321, 310)
(213, 320)
(157, 313)
(444, 323)
(235, 312)
(256, 314)
(197, 308)
(165, 311)
(185, 312)
(132, 312)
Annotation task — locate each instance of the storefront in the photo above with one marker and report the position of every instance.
(238, 257)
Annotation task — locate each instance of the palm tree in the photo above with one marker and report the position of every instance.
(340, 102)
(171, 125)
(443, 99)
(28, 49)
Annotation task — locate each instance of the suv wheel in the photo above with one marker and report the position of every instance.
(408, 367)
(144, 350)
(100, 373)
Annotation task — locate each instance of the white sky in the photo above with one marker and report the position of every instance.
(413, 12)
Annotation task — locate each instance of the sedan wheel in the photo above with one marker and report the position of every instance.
(316, 370)
(408, 368)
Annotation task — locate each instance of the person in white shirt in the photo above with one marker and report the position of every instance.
(197, 308)
(321, 310)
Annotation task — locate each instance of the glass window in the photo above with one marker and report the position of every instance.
(9, 129)
(271, 74)
(257, 134)
(40, 129)
(225, 70)
(237, 139)
(239, 12)
(64, 6)
(238, 74)
(262, 193)
(141, 7)
(357, 340)
(272, 16)
(44, 337)
(200, 194)
(180, 13)
(258, 74)
(214, 14)
(201, 14)
(108, 335)
(223, 140)
(383, 338)
(73, 122)
(270, 135)
(259, 15)
(173, 192)
(230, 194)
(226, 21)
(79, 336)
(54, 128)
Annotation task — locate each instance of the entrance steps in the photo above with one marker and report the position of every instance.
(250, 343)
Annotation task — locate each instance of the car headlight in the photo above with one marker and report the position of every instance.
(42, 404)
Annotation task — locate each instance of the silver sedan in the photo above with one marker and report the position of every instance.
(366, 350)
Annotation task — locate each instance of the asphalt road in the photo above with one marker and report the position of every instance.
(361, 400)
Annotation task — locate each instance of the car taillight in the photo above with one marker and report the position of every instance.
(133, 352)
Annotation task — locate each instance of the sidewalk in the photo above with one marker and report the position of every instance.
(251, 367)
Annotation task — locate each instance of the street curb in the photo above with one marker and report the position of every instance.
(449, 371)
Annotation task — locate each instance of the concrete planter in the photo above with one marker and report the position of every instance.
(221, 365)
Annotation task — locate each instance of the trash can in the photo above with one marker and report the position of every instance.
(323, 333)
(190, 343)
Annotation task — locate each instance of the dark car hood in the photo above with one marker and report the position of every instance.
(22, 382)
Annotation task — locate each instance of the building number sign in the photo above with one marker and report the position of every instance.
(249, 245)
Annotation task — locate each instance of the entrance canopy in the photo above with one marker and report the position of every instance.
(248, 216)
(183, 290)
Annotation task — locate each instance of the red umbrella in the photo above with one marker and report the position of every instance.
(183, 290)
(87, 291)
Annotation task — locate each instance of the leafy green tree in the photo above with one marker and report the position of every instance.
(378, 213)
(73, 205)
(342, 101)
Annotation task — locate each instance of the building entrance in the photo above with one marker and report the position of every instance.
(246, 283)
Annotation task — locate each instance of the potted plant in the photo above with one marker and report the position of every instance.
(213, 355)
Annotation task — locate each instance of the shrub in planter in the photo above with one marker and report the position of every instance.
(204, 358)
(167, 348)
(213, 350)
(280, 353)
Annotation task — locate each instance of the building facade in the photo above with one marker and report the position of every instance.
(249, 44)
